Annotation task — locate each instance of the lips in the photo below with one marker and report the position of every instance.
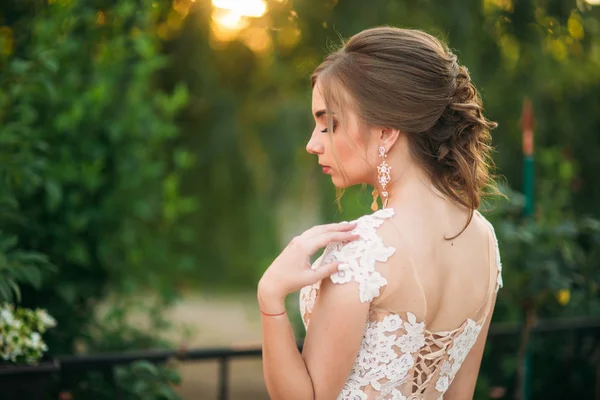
(325, 168)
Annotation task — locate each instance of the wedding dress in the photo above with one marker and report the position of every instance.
(399, 358)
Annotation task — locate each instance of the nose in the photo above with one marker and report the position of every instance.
(314, 145)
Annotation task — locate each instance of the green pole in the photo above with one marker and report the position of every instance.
(528, 184)
(527, 124)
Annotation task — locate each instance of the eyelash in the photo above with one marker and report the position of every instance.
(326, 129)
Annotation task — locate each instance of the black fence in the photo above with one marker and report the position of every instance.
(56, 379)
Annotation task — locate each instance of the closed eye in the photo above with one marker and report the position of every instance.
(334, 127)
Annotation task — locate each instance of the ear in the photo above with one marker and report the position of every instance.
(388, 137)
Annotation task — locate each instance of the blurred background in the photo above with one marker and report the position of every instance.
(153, 163)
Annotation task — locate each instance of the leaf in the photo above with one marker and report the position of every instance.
(5, 291)
(16, 290)
(54, 194)
(8, 242)
(20, 66)
(145, 367)
(48, 59)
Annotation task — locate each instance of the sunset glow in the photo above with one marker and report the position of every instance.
(244, 8)
(230, 17)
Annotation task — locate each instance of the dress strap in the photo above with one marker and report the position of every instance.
(496, 250)
(495, 280)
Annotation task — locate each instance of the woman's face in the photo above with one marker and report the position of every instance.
(345, 154)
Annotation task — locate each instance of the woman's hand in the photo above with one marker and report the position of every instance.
(291, 269)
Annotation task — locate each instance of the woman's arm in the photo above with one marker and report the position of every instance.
(286, 375)
(335, 341)
(332, 342)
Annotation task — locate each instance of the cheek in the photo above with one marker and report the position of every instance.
(350, 159)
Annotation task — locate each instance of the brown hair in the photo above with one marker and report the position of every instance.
(408, 80)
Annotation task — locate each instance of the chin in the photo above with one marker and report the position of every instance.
(340, 182)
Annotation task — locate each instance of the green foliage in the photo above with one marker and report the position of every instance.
(92, 165)
(255, 120)
(555, 249)
(144, 380)
(90, 177)
(21, 331)
(140, 380)
(89, 167)
(19, 267)
(548, 258)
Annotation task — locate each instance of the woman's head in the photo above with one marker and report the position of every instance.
(405, 90)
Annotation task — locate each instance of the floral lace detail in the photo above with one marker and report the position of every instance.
(359, 257)
(308, 296)
(398, 359)
(461, 346)
(385, 358)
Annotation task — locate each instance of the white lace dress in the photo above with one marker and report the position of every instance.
(399, 359)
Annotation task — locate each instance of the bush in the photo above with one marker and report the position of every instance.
(89, 175)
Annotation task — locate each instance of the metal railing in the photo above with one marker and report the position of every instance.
(62, 370)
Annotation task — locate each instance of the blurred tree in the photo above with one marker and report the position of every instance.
(249, 115)
(89, 164)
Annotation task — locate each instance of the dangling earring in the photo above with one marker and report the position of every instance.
(374, 205)
(383, 177)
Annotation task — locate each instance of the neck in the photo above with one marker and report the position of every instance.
(408, 184)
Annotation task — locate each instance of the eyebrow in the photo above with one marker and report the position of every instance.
(320, 113)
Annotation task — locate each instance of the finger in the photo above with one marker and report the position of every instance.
(315, 243)
(336, 227)
(328, 269)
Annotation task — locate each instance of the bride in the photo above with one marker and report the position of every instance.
(399, 304)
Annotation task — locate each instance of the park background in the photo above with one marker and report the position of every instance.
(153, 163)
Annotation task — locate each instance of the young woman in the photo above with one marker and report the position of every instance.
(399, 304)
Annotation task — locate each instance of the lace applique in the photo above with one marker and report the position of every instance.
(385, 359)
(359, 256)
(461, 346)
(398, 359)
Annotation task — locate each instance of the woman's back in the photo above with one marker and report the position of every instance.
(429, 298)
(442, 282)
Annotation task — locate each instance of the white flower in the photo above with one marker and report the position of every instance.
(391, 323)
(45, 318)
(410, 342)
(16, 324)
(21, 333)
(369, 288)
(343, 275)
(35, 338)
(414, 339)
(464, 342)
(398, 368)
(359, 257)
(384, 213)
(396, 395)
(7, 317)
(384, 351)
(442, 384)
(459, 352)
(412, 325)
(446, 368)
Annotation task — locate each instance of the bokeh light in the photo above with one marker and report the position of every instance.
(231, 17)
(247, 8)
